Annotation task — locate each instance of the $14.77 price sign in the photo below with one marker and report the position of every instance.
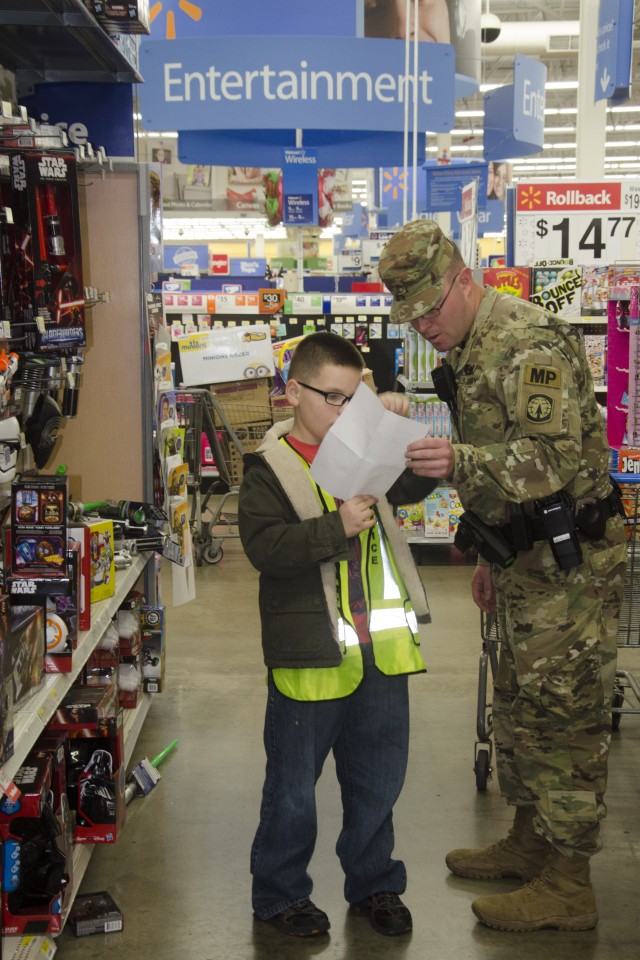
(586, 223)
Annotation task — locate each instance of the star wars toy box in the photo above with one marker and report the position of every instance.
(95, 913)
(62, 619)
(95, 762)
(39, 531)
(122, 16)
(6, 682)
(27, 642)
(557, 288)
(35, 877)
(153, 647)
(82, 536)
(48, 265)
(102, 571)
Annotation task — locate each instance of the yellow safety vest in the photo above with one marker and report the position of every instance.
(392, 623)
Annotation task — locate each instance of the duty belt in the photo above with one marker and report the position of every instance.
(606, 508)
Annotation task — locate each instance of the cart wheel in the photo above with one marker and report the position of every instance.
(617, 701)
(482, 770)
(214, 554)
(198, 552)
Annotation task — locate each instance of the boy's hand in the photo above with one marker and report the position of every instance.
(431, 457)
(357, 514)
(395, 402)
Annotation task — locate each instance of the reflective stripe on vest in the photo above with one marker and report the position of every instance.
(392, 623)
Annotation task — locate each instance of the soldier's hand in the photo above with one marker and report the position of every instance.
(431, 457)
(357, 514)
(482, 589)
(395, 402)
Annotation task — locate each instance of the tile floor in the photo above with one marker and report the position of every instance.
(180, 870)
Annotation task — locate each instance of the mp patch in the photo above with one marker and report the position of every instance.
(537, 375)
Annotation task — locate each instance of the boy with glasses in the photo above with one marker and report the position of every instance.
(340, 601)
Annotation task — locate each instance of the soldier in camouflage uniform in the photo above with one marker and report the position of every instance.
(529, 427)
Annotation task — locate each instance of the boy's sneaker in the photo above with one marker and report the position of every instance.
(386, 912)
(303, 919)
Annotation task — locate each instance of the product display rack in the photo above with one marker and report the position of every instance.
(33, 715)
(56, 41)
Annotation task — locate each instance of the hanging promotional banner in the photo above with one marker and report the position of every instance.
(613, 51)
(469, 223)
(300, 187)
(97, 113)
(231, 83)
(186, 257)
(514, 114)
(226, 353)
(445, 185)
(582, 223)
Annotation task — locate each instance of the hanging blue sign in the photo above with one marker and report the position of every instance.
(248, 267)
(97, 113)
(300, 187)
(186, 255)
(613, 52)
(177, 18)
(514, 114)
(263, 148)
(231, 83)
(445, 185)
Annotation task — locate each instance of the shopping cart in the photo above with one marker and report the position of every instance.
(232, 428)
(483, 751)
(626, 694)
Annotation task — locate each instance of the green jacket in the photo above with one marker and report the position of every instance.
(295, 546)
(530, 423)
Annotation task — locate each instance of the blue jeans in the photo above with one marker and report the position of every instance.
(368, 733)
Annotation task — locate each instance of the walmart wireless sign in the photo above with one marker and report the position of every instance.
(235, 83)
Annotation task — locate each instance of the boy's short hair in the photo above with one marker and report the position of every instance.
(318, 349)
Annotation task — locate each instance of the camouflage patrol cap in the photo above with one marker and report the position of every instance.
(413, 265)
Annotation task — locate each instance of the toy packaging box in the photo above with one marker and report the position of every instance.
(153, 647)
(511, 280)
(557, 289)
(95, 770)
(6, 682)
(128, 620)
(82, 536)
(39, 527)
(62, 619)
(27, 643)
(48, 264)
(35, 876)
(102, 568)
(95, 913)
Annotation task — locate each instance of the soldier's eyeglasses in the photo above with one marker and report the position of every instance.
(432, 314)
(332, 398)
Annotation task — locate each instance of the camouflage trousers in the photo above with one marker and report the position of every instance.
(553, 691)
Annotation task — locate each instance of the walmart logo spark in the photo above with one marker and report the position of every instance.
(394, 182)
(173, 8)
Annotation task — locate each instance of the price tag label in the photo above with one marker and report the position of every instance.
(586, 224)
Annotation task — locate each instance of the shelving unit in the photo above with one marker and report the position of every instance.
(33, 715)
(55, 41)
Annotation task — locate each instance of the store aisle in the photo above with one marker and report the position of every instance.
(180, 870)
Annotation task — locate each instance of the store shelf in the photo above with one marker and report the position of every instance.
(82, 852)
(33, 715)
(58, 41)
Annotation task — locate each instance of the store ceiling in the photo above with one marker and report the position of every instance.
(518, 17)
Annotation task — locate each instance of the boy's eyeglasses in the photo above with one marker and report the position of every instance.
(333, 399)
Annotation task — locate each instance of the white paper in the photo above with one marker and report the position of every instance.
(364, 451)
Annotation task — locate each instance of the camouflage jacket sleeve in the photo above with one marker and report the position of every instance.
(519, 397)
